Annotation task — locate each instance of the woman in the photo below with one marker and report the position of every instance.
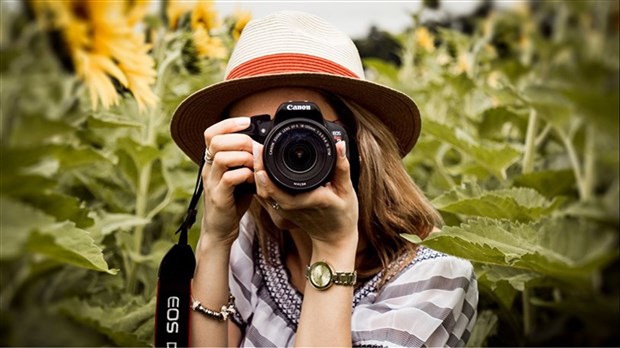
(325, 267)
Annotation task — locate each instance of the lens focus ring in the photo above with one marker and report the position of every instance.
(300, 154)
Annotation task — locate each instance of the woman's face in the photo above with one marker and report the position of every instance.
(267, 102)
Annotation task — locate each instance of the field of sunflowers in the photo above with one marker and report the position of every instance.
(519, 152)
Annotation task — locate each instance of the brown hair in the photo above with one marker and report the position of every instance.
(390, 203)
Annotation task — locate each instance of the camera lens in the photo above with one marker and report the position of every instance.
(300, 157)
(299, 154)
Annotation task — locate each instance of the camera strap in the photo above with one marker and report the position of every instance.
(176, 271)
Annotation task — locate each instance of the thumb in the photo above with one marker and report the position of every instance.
(342, 173)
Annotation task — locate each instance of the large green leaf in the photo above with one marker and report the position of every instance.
(141, 154)
(493, 156)
(25, 228)
(110, 120)
(521, 204)
(109, 223)
(18, 220)
(552, 106)
(68, 244)
(567, 249)
(130, 325)
(550, 183)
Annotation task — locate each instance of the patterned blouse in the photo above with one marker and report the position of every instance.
(431, 302)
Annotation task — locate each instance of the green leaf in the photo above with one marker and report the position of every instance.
(33, 131)
(493, 156)
(520, 204)
(72, 157)
(66, 243)
(130, 325)
(485, 327)
(141, 154)
(110, 223)
(550, 183)
(18, 220)
(551, 105)
(109, 120)
(567, 249)
(497, 120)
(62, 207)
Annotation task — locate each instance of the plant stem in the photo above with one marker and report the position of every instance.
(528, 313)
(574, 161)
(589, 161)
(528, 167)
(144, 179)
(530, 142)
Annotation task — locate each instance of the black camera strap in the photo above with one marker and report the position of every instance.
(176, 271)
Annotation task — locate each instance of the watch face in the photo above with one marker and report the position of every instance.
(320, 275)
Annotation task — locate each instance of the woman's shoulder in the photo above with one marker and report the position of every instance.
(430, 271)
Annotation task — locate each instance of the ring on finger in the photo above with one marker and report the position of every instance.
(208, 156)
(275, 205)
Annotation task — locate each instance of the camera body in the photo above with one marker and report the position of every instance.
(299, 151)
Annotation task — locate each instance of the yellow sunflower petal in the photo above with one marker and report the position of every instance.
(205, 16)
(176, 9)
(208, 46)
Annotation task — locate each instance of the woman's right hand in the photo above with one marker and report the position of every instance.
(223, 210)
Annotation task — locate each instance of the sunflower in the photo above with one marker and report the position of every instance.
(241, 19)
(176, 9)
(425, 39)
(103, 44)
(204, 21)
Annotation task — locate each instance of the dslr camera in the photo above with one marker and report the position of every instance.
(299, 151)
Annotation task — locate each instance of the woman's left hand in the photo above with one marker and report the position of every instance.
(328, 213)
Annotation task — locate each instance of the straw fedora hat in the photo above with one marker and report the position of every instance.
(293, 49)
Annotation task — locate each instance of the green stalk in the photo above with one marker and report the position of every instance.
(574, 161)
(530, 142)
(144, 178)
(528, 167)
(589, 170)
(528, 313)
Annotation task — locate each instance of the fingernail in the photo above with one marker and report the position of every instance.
(255, 150)
(343, 149)
(242, 121)
(262, 178)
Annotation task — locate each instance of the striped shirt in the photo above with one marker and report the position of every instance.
(431, 302)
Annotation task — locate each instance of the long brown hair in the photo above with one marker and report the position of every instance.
(390, 203)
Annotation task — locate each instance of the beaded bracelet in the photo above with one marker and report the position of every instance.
(222, 315)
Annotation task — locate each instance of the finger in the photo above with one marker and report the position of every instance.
(341, 180)
(234, 177)
(263, 183)
(257, 152)
(230, 142)
(225, 160)
(229, 125)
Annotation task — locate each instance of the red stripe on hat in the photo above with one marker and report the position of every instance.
(287, 63)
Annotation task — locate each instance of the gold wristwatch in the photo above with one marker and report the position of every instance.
(322, 276)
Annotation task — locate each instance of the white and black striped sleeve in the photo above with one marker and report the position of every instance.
(432, 304)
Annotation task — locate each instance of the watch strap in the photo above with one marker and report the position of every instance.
(345, 278)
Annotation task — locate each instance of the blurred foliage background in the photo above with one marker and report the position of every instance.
(519, 151)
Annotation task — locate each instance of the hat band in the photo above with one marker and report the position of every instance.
(288, 63)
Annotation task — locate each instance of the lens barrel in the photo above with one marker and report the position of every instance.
(299, 154)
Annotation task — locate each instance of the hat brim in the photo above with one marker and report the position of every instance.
(206, 106)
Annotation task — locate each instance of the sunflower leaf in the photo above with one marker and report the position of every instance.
(68, 244)
(129, 325)
(493, 156)
(18, 220)
(520, 204)
(563, 248)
